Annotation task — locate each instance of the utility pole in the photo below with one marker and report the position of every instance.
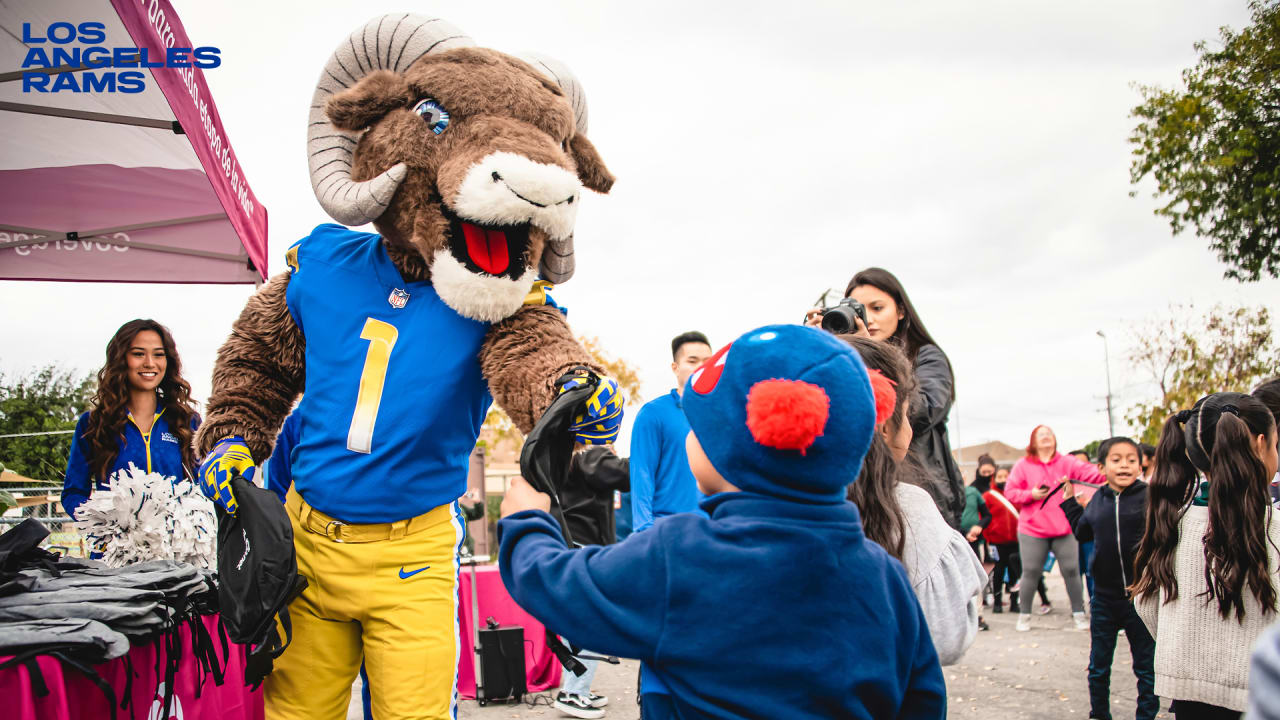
(1106, 357)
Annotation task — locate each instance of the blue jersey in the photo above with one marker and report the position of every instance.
(394, 395)
(661, 482)
(155, 451)
(276, 473)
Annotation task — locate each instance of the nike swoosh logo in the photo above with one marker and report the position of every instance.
(406, 575)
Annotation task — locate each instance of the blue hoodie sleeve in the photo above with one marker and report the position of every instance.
(77, 485)
(646, 452)
(611, 599)
(926, 695)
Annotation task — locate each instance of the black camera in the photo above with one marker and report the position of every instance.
(838, 319)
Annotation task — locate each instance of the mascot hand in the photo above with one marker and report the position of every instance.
(230, 458)
(601, 415)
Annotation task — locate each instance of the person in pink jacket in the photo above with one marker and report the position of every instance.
(1041, 523)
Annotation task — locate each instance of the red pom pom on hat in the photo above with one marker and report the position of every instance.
(886, 395)
(787, 414)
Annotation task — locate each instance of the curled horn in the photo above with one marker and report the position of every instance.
(557, 263)
(390, 42)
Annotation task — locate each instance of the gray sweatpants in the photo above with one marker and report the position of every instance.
(1035, 550)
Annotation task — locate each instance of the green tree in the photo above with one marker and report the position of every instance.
(1190, 355)
(1213, 148)
(47, 399)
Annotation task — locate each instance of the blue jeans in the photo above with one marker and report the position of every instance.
(574, 685)
(571, 684)
(1086, 559)
(1107, 620)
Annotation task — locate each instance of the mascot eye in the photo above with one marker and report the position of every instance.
(436, 117)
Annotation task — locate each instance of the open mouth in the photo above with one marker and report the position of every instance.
(498, 250)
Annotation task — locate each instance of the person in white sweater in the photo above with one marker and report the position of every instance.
(1206, 566)
(944, 572)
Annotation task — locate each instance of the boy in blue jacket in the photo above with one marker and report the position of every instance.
(774, 604)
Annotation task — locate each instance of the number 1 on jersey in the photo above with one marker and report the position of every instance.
(382, 337)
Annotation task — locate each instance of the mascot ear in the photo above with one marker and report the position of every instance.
(591, 169)
(363, 104)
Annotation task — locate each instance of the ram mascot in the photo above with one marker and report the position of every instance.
(471, 165)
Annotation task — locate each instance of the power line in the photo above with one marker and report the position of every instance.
(37, 434)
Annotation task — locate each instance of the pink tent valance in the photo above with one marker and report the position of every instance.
(115, 186)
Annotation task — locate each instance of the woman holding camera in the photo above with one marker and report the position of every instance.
(887, 315)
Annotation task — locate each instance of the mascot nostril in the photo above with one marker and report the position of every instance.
(403, 338)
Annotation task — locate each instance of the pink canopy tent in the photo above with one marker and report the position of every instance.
(113, 186)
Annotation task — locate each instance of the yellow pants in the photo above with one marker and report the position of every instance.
(391, 602)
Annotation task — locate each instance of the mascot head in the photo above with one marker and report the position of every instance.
(471, 160)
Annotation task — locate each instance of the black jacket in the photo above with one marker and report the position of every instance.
(587, 497)
(1115, 529)
(930, 445)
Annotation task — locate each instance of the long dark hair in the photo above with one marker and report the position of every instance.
(911, 334)
(110, 404)
(1214, 437)
(873, 492)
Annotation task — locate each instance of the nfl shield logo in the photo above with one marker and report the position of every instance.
(398, 298)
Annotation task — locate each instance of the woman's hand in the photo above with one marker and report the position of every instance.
(813, 319)
(1040, 493)
(974, 533)
(1068, 490)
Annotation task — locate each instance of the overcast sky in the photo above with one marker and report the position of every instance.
(764, 153)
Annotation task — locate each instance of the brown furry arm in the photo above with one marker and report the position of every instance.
(524, 355)
(259, 373)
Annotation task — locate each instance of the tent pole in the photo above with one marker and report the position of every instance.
(171, 125)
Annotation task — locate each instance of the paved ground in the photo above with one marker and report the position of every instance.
(1006, 675)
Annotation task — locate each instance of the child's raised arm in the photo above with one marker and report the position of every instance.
(611, 599)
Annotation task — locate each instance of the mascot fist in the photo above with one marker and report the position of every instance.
(230, 458)
(601, 416)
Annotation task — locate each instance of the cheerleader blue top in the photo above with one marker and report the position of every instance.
(156, 451)
(394, 395)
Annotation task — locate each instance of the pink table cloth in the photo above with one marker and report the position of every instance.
(72, 695)
(542, 670)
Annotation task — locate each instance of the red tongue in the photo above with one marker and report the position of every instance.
(487, 248)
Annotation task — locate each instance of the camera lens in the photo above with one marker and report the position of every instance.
(838, 320)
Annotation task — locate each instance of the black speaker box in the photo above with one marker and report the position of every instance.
(502, 665)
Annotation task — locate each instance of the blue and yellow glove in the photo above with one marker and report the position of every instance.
(230, 458)
(601, 418)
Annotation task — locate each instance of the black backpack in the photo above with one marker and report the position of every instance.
(257, 576)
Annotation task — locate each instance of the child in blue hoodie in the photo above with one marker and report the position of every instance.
(773, 604)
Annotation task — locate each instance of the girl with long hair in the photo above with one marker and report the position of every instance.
(142, 414)
(945, 574)
(1042, 526)
(1206, 565)
(891, 318)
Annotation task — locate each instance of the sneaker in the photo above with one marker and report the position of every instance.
(1081, 622)
(982, 624)
(1045, 608)
(1024, 623)
(597, 701)
(576, 706)
(998, 608)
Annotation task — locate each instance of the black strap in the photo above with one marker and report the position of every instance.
(128, 683)
(96, 679)
(564, 655)
(30, 658)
